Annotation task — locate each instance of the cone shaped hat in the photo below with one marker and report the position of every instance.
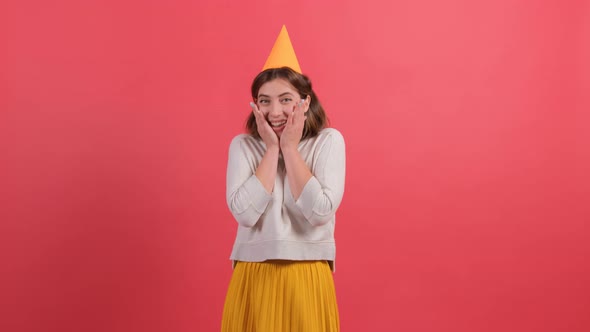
(282, 53)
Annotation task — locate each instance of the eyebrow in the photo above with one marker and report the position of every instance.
(282, 94)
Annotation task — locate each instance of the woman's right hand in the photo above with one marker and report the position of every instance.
(264, 130)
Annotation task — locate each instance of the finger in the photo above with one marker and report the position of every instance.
(260, 120)
(290, 118)
(303, 104)
(300, 114)
(293, 114)
(299, 105)
(253, 106)
(296, 106)
(255, 110)
(303, 108)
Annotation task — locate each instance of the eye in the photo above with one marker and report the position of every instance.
(286, 100)
(264, 101)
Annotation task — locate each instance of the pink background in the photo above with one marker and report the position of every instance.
(468, 138)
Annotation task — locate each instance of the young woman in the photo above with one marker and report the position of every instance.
(285, 181)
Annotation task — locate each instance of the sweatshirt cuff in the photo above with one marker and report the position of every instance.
(308, 196)
(259, 198)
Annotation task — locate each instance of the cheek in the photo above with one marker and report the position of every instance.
(290, 107)
(263, 109)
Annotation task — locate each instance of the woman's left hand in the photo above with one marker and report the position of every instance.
(293, 131)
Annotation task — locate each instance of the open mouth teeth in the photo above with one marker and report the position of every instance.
(278, 124)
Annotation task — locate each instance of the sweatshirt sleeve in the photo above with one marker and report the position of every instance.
(246, 197)
(323, 193)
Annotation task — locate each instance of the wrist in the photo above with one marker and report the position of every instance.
(289, 149)
(286, 145)
(273, 148)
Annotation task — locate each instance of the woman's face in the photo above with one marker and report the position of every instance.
(276, 100)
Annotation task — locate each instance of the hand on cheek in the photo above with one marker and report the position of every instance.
(294, 129)
(264, 130)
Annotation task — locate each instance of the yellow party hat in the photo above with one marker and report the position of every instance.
(282, 53)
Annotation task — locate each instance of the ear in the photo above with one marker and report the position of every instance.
(307, 103)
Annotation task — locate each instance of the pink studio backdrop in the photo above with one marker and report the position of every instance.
(468, 144)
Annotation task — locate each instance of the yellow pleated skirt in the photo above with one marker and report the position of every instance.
(281, 296)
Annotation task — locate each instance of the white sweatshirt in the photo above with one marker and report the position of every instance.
(274, 226)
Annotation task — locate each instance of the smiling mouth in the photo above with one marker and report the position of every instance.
(278, 124)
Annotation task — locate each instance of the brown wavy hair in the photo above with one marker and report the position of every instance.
(316, 116)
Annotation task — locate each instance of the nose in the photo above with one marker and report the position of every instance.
(276, 109)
